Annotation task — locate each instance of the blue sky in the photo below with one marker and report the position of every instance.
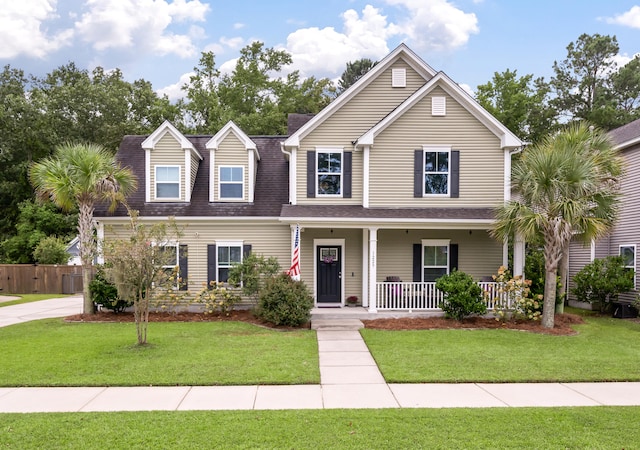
(161, 40)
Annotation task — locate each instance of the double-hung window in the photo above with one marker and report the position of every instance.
(168, 256)
(628, 252)
(329, 172)
(168, 182)
(435, 259)
(229, 254)
(231, 183)
(436, 170)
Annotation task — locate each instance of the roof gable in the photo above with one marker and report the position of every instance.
(230, 127)
(507, 138)
(402, 51)
(150, 142)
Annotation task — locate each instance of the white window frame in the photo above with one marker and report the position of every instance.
(632, 267)
(220, 183)
(176, 245)
(156, 182)
(220, 244)
(435, 149)
(318, 173)
(435, 243)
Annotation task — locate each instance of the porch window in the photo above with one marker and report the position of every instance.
(435, 259)
(628, 252)
(436, 171)
(231, 185)
(329, 172)
(168, 182)
(229, 254)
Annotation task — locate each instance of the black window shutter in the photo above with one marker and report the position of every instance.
(246, 250)
(346, 173)
(311, 174)
(453, 257)
(183, 267)
(417, 262)
(418, 173)
(455, 173)
(211, 263)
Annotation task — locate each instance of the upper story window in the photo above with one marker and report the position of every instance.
(329, 173)
(231, 183)
(435, 259)
(436, 171)
(168, 182)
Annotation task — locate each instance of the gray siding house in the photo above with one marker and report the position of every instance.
(624, 239)
(391, 185)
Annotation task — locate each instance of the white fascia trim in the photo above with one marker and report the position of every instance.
(187, 219)
(629, 143)
(507, 175)
(212, 175)
(346, 222)
(230, 127)
(408, 56)
(147, 170)
(150, 142)
(365, 176)
(251, 176)
(293, 174)
(187, 176)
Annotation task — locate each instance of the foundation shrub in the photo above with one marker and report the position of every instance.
(462, 295)
(283, 301)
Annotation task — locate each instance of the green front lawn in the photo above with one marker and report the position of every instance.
(504, 428)
(53, 353)
(605, 349)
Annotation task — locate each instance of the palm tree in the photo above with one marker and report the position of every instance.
(80, 175)
(563, 187)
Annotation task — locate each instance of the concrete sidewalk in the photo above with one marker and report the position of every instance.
(349, 378)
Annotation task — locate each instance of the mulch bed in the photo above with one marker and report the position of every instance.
(563, 322)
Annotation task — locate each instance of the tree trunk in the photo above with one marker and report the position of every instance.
(549, 307)
(87, 245)
(562, 272)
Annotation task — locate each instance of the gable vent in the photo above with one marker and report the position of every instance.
(438, 106)
(398, 78)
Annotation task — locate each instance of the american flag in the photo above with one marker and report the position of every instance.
(294, 271)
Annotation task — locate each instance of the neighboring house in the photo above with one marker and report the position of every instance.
(624, 239)
(73, 248)
(392, 185)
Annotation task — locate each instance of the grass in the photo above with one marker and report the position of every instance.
(605, 349)
(548, 428)
(53, 353)
(28, 298)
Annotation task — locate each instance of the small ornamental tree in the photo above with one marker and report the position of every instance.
(462, 295)
(602, 280)
(143, 267)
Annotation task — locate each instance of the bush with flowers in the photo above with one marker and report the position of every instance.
(217, 298)
(513, 298)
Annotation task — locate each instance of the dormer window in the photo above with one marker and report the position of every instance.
(231, 183)
(168, 182)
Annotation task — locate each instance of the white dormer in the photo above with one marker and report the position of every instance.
(171, 164)
(233, 159)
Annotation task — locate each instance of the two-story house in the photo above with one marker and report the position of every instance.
(391, 186)
(624, 238)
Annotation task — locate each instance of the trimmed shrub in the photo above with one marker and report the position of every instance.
(105, 293)
(462, 295)
(283, 301)
(51, 250)
(217, 299)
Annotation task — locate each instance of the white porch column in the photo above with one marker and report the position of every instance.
(373, 255)
(99, 242)
(365, 267)
(518, 256)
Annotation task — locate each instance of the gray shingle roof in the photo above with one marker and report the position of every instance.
(626, 132)
(359, 212)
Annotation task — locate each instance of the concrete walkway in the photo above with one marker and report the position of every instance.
(349, 378)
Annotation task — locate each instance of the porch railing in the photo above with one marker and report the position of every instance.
(420, 296)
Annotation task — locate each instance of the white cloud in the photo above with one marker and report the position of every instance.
(324, 52)
(174, 91)
(23, 29)
(630, 18)
(119, 24)
(436, 25)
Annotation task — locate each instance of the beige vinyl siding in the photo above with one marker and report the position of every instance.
(231, 152)
(352, 255)
(195, 162)
(267, 238)
(167, 152)
(579, 256)
(392, 157)
(478, 254)
(347, 124)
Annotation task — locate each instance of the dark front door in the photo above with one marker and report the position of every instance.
(329, 263)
